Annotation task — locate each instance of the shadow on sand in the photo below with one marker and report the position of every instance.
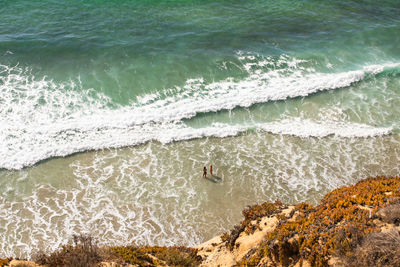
(214, 178)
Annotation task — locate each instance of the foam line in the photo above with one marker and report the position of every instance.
(308, 128)
(61, 145)
(40, 119)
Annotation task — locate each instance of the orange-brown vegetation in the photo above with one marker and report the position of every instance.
(156, 256)
(4, 262)
(338, 226)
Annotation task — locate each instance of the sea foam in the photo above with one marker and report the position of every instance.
(40, 118)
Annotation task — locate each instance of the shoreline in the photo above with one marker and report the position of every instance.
(278, 234)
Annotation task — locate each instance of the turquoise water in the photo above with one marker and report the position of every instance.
(128, 49)
(110, 109)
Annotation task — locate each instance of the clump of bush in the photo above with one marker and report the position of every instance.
(4, 262)
(375, 249)
(83, 252)
(132, 255)
(155, 256)
(337, 226)
(346, 241)
(390, 214)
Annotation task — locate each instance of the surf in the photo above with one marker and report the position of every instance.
(41, 119)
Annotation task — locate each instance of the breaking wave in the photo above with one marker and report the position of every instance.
(40, 119)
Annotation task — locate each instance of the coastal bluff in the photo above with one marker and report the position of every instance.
(355, 225)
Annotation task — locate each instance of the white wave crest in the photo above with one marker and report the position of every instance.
(40, 119)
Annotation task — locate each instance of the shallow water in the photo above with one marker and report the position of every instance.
(155, 193)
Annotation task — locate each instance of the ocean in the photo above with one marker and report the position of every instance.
(109, 110)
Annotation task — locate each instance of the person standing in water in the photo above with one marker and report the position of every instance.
(211, 169)
(204, 172)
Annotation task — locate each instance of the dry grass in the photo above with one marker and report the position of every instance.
(390, 214)
(156, 256)
(83, 253)
(375, 250)
(346, 241)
